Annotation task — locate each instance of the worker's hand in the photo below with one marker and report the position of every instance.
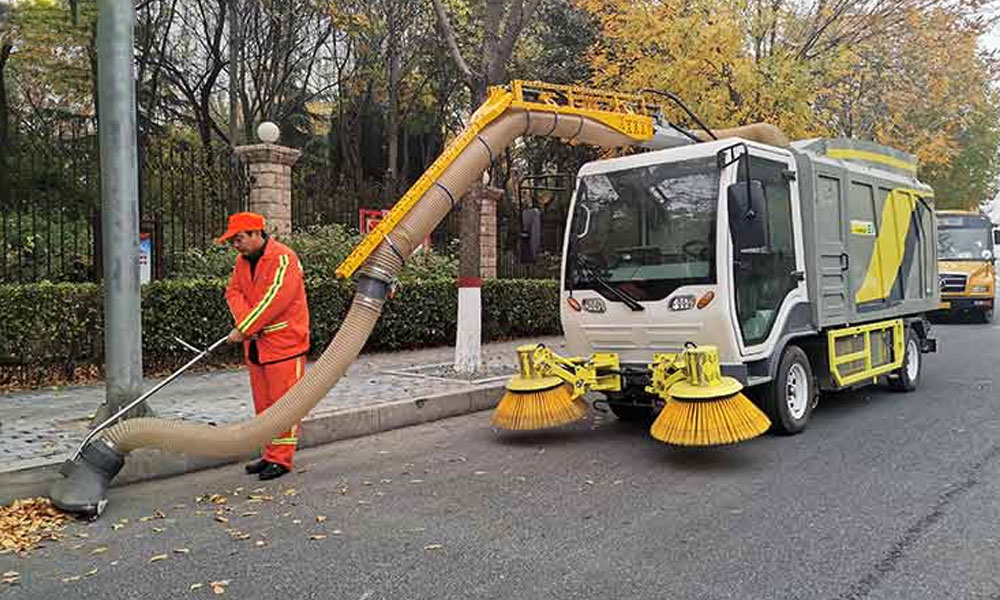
(236, 336)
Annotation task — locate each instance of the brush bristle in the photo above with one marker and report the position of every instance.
(538, 410)
(709, 423)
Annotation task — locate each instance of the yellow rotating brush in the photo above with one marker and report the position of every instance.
(536, 401)
(707, 409)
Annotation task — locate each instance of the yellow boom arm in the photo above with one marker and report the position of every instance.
(629, 114)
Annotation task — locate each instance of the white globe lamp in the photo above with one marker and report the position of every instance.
(268, 132)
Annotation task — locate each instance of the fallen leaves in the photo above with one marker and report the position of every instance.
(71, 579)
(181, 551)
(320, 518)
(11, 578)
(92, 572)
(219, 587)
(99, 550)
(318, 536)
(434, 547)
(196, 586)
(291, 492)
(158, 558)
(24, 524)
(221, 518)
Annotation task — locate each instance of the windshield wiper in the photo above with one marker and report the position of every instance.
(622, 295)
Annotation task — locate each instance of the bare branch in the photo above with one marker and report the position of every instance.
(449, 38)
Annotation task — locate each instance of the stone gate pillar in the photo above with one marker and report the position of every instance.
(271, 183)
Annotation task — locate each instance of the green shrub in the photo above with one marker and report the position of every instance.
(321, 249)
(58, 328)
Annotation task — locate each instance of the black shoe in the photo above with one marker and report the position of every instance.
(256, 467)
(272, 471)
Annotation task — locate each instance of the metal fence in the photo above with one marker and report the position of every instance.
(50, 216)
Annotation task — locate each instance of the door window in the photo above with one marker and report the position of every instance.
(763, 279)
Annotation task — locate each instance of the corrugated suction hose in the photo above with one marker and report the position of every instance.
(242, 438)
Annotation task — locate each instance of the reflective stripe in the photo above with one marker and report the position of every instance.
(287, 441)
(276, 327)
(272, 291)
(298, 370)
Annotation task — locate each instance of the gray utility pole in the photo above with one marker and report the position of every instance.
(116, 121)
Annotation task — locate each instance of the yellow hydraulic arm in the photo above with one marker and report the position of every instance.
(630, 114)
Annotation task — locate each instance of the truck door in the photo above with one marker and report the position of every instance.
(767, 282)
(834, 263)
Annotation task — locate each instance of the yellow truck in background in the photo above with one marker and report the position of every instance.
(966, 264)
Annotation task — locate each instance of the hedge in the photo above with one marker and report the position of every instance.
(53, 332)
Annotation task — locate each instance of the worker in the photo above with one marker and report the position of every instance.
(267, 298)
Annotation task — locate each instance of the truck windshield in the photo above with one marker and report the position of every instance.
(646, 230)
(966, 243)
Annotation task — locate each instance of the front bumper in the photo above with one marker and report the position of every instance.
(966, 303)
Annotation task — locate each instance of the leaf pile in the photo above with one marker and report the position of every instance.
(25, 523)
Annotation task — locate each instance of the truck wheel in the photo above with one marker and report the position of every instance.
(642, 415)
(986, 315)
(906, 377)
(789, 400)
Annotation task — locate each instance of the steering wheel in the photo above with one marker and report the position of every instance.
(697, 249)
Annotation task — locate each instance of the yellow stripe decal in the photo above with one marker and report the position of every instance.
(887, 255)
(272, 291)
(276, 327)
(298, 371)
(872, 157)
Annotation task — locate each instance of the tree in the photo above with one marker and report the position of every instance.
(497, 33)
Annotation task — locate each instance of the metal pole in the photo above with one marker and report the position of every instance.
(113, 418)
(120, 201)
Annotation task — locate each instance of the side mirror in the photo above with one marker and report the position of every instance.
(531, 234)
(748, 215)
(996, 237)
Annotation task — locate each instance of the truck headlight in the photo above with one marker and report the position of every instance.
(980, 289)
(682, 303)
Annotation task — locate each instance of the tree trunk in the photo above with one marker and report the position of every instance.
(392, 137)
(468, 339)
(235, 67)
(5, 137)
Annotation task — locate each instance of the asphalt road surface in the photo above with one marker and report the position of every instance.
(886, 495)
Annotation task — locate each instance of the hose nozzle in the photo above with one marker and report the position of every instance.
(83, 487)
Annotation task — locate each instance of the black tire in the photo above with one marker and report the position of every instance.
(641, 415)
(986, 315)
(902, 379)
(774, 401)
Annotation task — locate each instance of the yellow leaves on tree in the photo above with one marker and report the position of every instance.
(907, 76)
(718, 56)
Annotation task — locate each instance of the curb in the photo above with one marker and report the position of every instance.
(318, 429)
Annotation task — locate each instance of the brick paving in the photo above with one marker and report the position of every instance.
(42, 426)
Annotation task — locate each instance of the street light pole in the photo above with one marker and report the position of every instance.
(117, 129)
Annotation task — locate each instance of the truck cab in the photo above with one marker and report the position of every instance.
(966, 264)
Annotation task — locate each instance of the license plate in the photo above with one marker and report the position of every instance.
(945, 305)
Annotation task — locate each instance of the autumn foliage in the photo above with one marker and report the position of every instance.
(907, 74)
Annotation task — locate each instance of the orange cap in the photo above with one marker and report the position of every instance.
(241, 221)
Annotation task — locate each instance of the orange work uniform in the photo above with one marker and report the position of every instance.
(267, 298)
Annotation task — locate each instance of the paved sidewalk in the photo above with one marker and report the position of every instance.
(41, 427)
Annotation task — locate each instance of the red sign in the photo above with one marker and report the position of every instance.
(369, 218)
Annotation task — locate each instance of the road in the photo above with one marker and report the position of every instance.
(885, 496)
